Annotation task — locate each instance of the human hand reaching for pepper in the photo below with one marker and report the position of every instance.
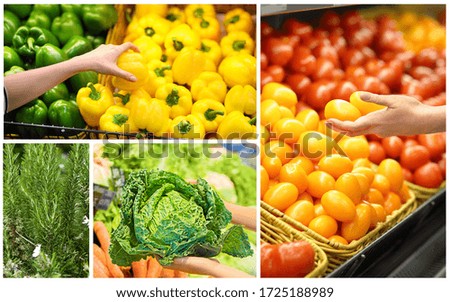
(403, 115)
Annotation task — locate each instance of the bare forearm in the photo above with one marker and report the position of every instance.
(433, 119)
(25, 86)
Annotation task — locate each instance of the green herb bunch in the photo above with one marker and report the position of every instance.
(46, 210)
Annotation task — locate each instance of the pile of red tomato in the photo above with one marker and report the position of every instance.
(346, 53)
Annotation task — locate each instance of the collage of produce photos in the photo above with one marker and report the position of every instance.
(224, 141)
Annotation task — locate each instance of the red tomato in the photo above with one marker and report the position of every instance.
(263, 61)
(373, 66)
(338, 42)
(324, 69)
(278, 50)
(298, 82)
(277, 73)
(420, 72)
(377, 153)
(328, 52)
(407, 175)
(390, 40)
(330, 20)
(290, 259)
(352, 57)
(443, 166)
(426, 57)
(317, 95)
(353, 72)
(428, 175)
(265, 78)
(415, 156)
(368, 83)
(360, 37)
(435, 143)
(351, 19)
(302, 61)
(386, 22)
(393, 146)
(266, 29)
(389, 77)
(409, 142)
(343, 90)
(293, 26)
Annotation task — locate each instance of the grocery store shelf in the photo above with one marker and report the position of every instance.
(272, 9)
(413, 248)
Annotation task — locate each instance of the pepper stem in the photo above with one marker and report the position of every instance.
(30, 43)
(178, 45)
(184, 127)
(171, 17)
(205, 48)
(204, 24)
(160, 71)
(119, 119)
(149, 31)
(211, 115)
(252, 121)
(123, 98)
(232, 20)
(198, 13)
(173, 97)
(238, 45)
(95, 94)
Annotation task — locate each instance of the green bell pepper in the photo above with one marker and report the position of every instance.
(96, 41)
(72, 8)
(66, 114)
(77, 45)
(82, 79)
(21, 10)
(51, 10)
(35, 112)
(66, 26)
(13, 70)
(39, 19)
(11, 58)
(49, 54)
(98, 17)
(10, 24)
(59, 92)
(28, 40)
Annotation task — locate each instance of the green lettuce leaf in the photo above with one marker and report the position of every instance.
(163, 215)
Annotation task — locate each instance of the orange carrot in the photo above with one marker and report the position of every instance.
(99, 253)
(139, 268)
(167, 273)
(100, 269)
(115, 270)
(180, 274)
(102, 235)
(153, 268)
(126, 271)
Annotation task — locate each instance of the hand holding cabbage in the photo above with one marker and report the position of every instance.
(163, 215)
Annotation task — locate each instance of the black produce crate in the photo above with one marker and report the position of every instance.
(416, 247)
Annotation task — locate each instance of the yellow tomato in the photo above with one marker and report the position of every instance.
(309, 118)
(270, 113)
(338, 239)
(302, 211)
(381, 183)
(392, 203)
(319, 183)
(272, 164)
(295, 175)
(370, 174)
(335, 165)
(381, 212)
(348, 184)
(303, 162)
(361, 162)
(394, 173)
(281, 195)
(286, 112)
(282, 94)
(319, 210)
(341, 110)
(374, 197)
(305, 196)
(363, 106)
(324, 225)
(338, 205)
(284, 152)
(314, 145)
(288, 130)
(359, 226)
(363, 181)
(264, 181)
(355, 147)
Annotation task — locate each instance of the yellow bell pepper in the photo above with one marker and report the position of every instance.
(209, 85)
(188, 126)
(237, 42)
(165, 129)
(142, 10)
(238, 20)
(148, 48)
(160, 73)
(210, 112)
(117, 119)
(179, 38)
(237, 125)
(241, 98)
(198, 11)
(189, 64)
(132, 62)
(176, 16)
(238, 69)
(126, 98)
(212, 49)
(154, 26)
(177, 98)
(93, 101)
(207, 28)
(151, 115)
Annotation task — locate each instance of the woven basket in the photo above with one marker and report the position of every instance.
(338, 253)
(422, 193)
(274, 230)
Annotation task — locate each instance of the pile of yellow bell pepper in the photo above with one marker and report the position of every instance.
(196, 76)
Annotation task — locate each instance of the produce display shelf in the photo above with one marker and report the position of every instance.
(415, 247)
